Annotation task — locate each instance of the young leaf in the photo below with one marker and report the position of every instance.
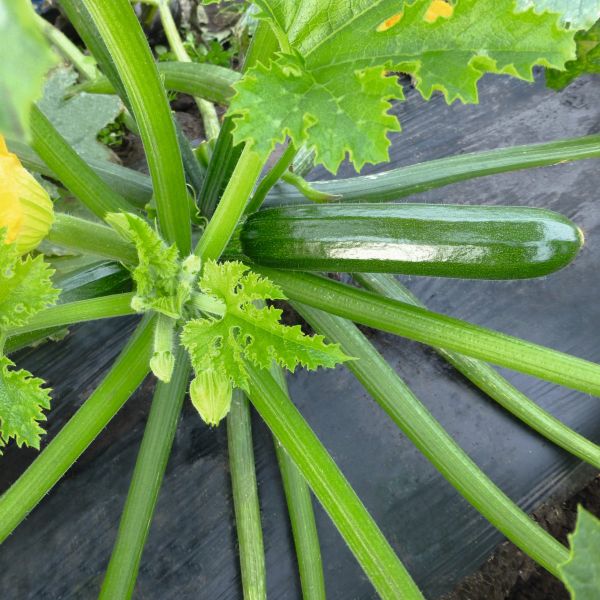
(329, 87)
(581, 573)
(588, 59)
(25, 285)
(577, 14)
(163, 283)
(22, 400)
(246, 332)
(26, 57)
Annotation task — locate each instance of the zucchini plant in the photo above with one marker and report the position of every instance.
(204, 258)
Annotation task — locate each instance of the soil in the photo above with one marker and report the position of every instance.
(511, 575)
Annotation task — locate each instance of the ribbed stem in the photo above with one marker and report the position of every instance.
(396, 398)
(53, 462)
(72, 170)
(302, 516)
(86, 237)
(206, 108)
(359, 530)
(492, 383)
(121, 32)
(438, 330)
(119, 581)
(80, 311)
(271, 178)
(245, 499)
(222, 225)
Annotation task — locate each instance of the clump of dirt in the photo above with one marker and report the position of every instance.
(511, 575)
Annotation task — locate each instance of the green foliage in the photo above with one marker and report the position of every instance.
(581, 573)
(588, 59)
(26, 58)
(247, 332)
(163, 283)
(113, 135)
(212, 52)
(25, 286)
(79, 118)
(22, 400)
(330, 87)
(25, 290)
(577, 14)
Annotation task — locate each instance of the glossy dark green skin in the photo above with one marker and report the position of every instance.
(473, 242)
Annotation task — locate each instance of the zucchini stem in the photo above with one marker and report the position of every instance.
(413, 418)
(492, 383)
(127, 373)
(245, 498)
(231, 207)
(271, 178)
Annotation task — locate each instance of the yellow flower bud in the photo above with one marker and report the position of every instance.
(26, 211)
(211, 394)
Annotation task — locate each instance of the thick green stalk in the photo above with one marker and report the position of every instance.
(271, 178)
(245, 498)
(492, 383)
(225, 155)
(382, 187)
(206, 108)
(125, 40)
(306, 189)
(83, 236)
(81, 19)
(119, 581)
(396, 398)
(194, 171)
(86, 65)
(438, 330)
(231, 207)
(53, 462)
(202, 80)
(87, 29)
(357, 527)
(71, 169)
(413, 179)
(105, 307)
(302, 516)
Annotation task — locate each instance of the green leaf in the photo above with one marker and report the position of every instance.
(25, 286)
(79, 118)
(578, 14)
(588, 59)
(247, 332)
(22, 400)
(581, 573)
(163, 283)
(26, 58)
(330, 88)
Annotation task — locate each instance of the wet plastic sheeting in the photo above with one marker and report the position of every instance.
(62, 549)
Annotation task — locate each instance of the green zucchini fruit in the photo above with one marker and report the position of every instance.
(473, 242)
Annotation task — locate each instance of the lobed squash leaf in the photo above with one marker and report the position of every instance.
(22, 400)
(576, 14)
(247, 332)
(588, 59)
(25, 286)
(330, 86)
(163, 283)
(581, 573)
(25, 289)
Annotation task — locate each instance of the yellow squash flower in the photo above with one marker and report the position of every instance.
(26, 211)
